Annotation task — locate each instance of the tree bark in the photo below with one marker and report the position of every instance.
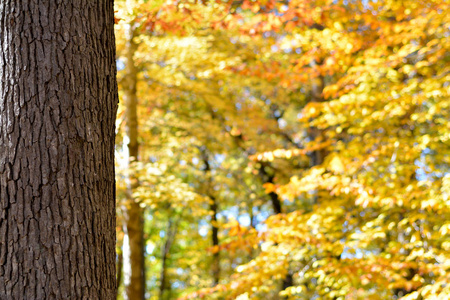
(58, 101)
(134, 258)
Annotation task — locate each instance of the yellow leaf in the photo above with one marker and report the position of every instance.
(336, 165)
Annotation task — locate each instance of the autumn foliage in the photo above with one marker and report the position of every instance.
(313, 135)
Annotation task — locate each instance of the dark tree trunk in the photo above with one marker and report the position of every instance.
(58, 100)
(277, 209)
(270, 178)
(213, 207)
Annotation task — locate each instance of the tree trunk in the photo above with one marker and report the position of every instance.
(119, 272)
(317, 156)
(214, 208)
(270, 178)
(58, 101)
(171, 232)
(134, 259)
(288, 280)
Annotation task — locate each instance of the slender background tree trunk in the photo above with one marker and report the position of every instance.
(134, 276)
(214, 208)
(171, 232)
(58, 100)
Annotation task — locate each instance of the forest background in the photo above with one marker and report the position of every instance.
(283, 149)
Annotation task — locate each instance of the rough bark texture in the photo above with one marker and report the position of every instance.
(58, 99)
(134, 280)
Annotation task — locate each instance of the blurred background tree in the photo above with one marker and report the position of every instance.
(283, 150)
